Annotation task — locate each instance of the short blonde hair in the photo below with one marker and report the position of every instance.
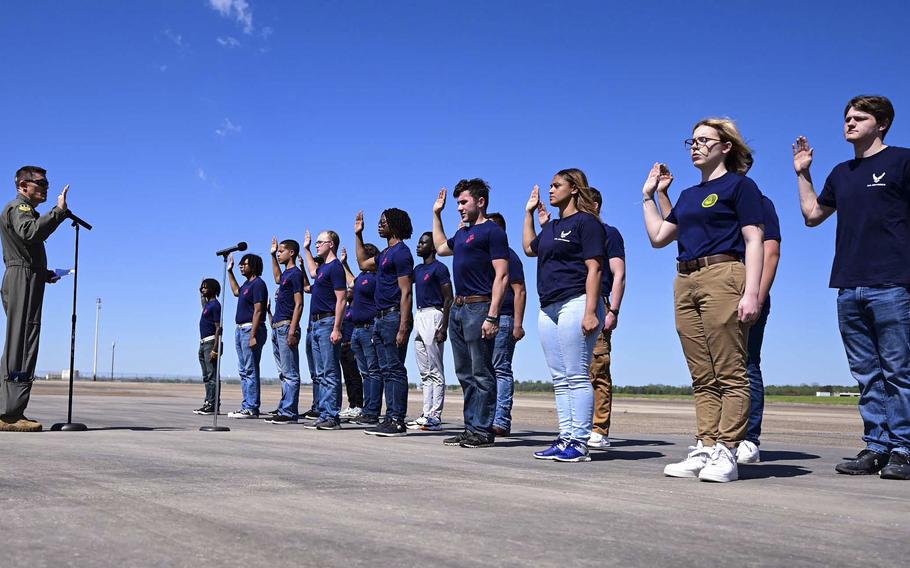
(739, 159)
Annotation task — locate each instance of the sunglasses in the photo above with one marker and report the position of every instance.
(39, 182)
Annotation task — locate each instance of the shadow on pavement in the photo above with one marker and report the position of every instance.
(625, 455)
(782, 455)
(137, 429)
(621, 442)
(759, 471)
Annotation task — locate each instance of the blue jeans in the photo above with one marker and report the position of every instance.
(753, 367)
(474, 365)
(328, 368)
(503, 349)
(248, 365)
(875, 328)
(311, 366)
(391, 365)
(287, 359)
(567, 351)
(368, 365)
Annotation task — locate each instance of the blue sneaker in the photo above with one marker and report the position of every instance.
(550, 453)
(575, 451)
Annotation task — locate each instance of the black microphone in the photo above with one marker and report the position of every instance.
(77, 220)
(241, 246)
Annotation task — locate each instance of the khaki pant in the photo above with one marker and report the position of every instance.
(714, 343)
(602, 383)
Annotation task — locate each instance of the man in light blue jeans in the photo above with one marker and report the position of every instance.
(251, 334)
(286, 328)
(871, 271)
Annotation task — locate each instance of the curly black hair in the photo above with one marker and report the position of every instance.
(255, 263)
(399, 223)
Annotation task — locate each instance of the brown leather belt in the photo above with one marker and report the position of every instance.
(462, 300)
(387, 311)
(320, 316)
(690, 266)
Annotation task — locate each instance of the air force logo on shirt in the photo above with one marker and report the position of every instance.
(877, 180)
(562, 236)
(709, 201)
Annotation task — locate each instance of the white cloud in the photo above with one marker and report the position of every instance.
(239, 10)
(228, 42)
(266, 32)
(175, 38)
(228, 127)
(200, 173)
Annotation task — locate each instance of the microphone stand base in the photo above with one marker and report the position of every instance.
(69, 427)
(214, 429)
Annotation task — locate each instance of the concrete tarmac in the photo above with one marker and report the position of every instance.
(144, 487)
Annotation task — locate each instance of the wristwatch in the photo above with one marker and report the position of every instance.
(614, 312)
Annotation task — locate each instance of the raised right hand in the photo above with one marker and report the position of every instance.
(652, 182)
(358, 223)
(230, 265)
(61, 199)
(306, 239)
(274, 248)
(440, 202)
(533, 200)
(802, 155)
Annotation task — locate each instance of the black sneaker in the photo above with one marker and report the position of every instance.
(457, 439)
(476, 440)
(270, 414)
(310, 415)
(388, 428)
(205, 409)
(327, 424)
(281, 419)
(898, 467)
(367, 419)
(867, 462)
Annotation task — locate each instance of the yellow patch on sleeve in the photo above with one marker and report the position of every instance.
(25, 207)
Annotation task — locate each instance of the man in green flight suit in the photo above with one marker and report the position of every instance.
(23, 232)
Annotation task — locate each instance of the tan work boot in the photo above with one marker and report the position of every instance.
(23, 424)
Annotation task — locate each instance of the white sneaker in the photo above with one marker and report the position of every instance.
(598, 441)
(417, 424)
(721, 467)
(693, 464)
(747, 452)
(356, 411)
(346, 413)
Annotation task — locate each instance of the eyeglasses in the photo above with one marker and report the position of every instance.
(383, 223)
(39, 182)
(698, 142)
(320, 243)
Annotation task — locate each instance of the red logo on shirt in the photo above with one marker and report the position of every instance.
(246, 292)
(469, 239)
(364, 282)
(385, 260)
(426, 277)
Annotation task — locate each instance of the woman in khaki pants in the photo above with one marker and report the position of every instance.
(717, 225)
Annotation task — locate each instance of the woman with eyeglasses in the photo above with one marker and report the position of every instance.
(717, 225)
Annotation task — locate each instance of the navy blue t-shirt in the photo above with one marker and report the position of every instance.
(615, 247)
(291, 283)
(392, 263)
(872, 198)
(562, 247)
(347, 326)
(772, 223)
(211, 316)
(475, 248)
(251, 292)
(363, 306)
(329, 278)
(428, 281)
(710, 216)
(516, 276)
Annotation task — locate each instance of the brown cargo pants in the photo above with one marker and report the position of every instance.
(602, 383)
(714, 343)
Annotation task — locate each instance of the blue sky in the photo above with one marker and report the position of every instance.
(186, 126)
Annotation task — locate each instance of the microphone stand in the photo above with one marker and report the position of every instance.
(69, 425)
(220, 347)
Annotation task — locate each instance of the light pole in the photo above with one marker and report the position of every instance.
(97, 328)
(113, 348)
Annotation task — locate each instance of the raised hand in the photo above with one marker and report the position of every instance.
(664, 178)
(61, 199)
(543, 216)
(533, 200)
(274, 248)
(653, 181)
(306, 239)
(802, 155)
(358, 223)
(440, 201)
(343, 256)
(230, 265)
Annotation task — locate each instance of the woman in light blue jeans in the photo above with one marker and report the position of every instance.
(569, 253)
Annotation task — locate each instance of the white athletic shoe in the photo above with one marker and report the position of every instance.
(721, 467)
(417, 424)
(693, 464)
(598, 441)
(747, 452)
